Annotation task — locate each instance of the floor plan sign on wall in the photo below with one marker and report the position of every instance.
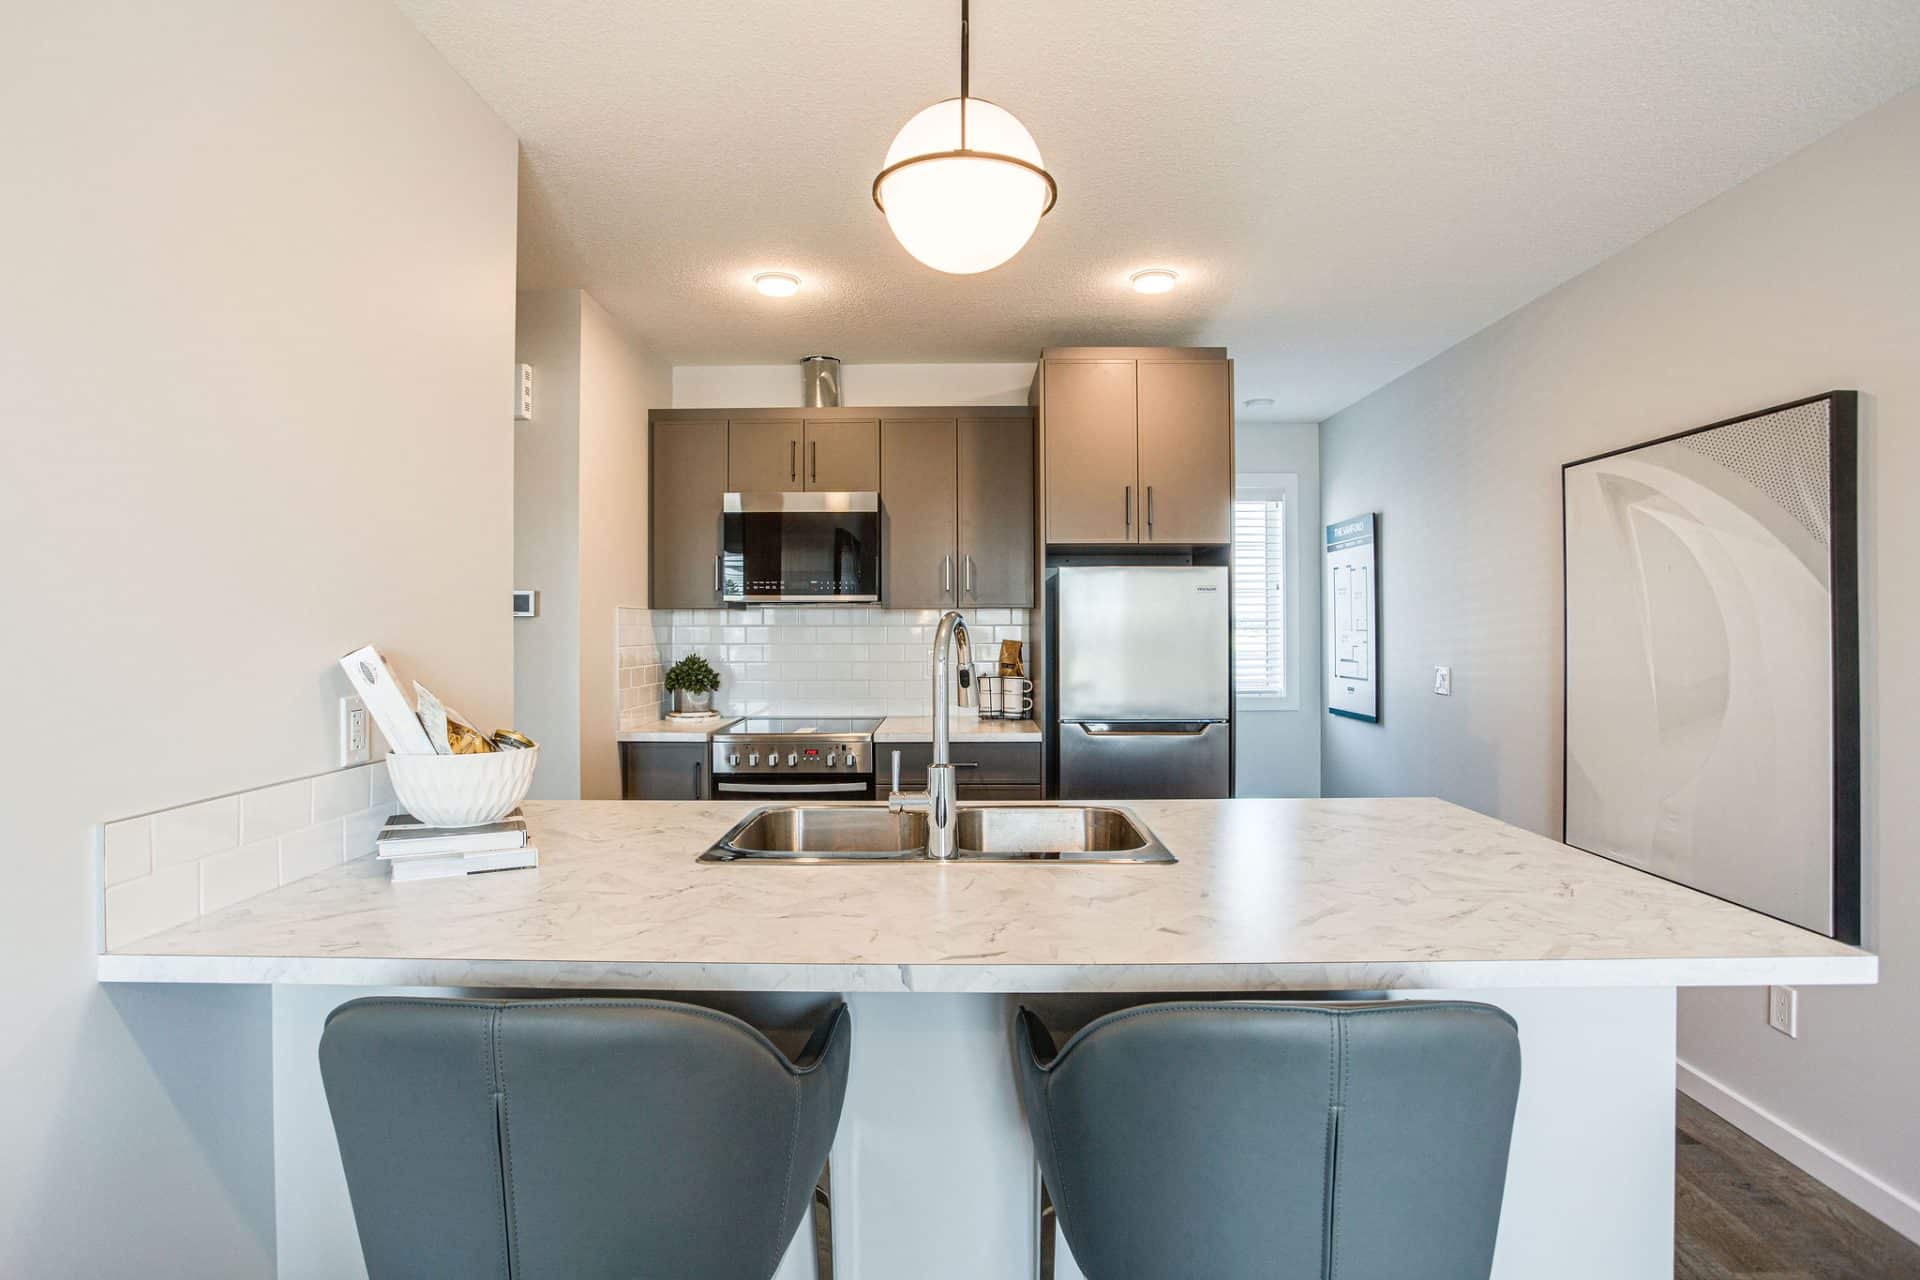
(1712, 670)
(1353, 622)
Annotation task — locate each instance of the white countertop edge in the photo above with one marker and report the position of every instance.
(920, 729)
(667, 731)
(1847, 970)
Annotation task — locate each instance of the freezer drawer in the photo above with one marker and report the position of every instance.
(1166, 761)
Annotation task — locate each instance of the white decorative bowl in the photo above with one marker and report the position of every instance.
(462, 791)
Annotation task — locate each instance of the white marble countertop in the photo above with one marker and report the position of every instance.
(1267, 895)
(664, 730)
(960, 729)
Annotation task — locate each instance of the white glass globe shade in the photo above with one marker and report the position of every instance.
(963, 214)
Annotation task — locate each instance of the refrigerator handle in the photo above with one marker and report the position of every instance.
(1164, 729)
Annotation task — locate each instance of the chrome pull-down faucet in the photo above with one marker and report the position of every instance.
(940, 799)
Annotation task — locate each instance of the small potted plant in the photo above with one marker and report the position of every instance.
(692, 681)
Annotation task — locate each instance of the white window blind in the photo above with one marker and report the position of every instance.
(1260, 597)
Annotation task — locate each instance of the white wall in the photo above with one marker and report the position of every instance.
(1277, 751)
(258, 266)
(765, 386)
(1803, 279)
(580, 532)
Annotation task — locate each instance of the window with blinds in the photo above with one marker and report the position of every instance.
(1259, 597)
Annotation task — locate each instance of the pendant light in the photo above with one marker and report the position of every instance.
(962, 186)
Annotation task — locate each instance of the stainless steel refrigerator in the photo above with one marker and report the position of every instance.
(1145, 702)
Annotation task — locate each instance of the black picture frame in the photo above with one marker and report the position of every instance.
(1843, 424)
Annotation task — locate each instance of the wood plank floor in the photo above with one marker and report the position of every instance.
(1743, 1213)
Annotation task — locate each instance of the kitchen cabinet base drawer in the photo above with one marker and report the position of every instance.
(663, 770)
(980, 764)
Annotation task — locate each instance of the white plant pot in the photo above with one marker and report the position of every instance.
(462, 791)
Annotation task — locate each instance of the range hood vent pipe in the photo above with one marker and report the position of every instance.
(820, 382)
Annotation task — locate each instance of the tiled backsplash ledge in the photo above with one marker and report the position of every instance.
(163, 869)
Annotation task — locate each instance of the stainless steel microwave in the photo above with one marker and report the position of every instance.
(800, 548)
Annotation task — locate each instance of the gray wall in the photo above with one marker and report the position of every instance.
(580, 531)
(257, 262)
(1277, 752)
(1803, 279)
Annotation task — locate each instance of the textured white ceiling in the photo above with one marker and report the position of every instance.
(1347, 186)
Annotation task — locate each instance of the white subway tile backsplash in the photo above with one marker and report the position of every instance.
(797, 658)
(159, 900)
(129, 849)
(338, 794)
(272, 810)
(164, 869)
(190, 833)
(227, 878)
(308, 852)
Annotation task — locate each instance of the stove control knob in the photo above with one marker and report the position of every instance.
(753, 760)
(733, 759)
(773, 760)
(793, 757)
(832, 760)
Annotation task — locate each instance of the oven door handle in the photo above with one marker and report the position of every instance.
(792, 788)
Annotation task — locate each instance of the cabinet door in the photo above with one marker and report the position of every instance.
(996, 512)
(918, 484)
(663, 771)
(842, 455)
(689, 477)
(1092, 466)
(764, 457)
(1186, 451)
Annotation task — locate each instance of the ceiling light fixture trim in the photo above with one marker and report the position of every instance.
(777, 284)
(1154, 280)
(922, 220)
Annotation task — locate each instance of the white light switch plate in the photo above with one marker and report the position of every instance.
(1783, 1010)
(1443, 681)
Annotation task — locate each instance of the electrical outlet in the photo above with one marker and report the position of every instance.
(356, 742)
(523, 403)
(1783, 1010)
(1443, 681)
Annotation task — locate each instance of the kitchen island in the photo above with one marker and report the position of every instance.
(932, 1172)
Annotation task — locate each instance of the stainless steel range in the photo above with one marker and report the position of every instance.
(784, 757)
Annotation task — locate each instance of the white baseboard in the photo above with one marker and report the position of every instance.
(1886, 1202)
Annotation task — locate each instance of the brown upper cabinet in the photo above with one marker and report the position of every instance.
(996, 512)
(689, 479)
(1139, 445)
(956, 499)
(785, 456)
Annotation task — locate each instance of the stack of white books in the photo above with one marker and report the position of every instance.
(415, 851)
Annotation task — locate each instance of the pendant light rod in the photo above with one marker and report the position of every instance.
(966, 61)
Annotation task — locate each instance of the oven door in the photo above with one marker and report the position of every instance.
(782, 790)
(800, 547)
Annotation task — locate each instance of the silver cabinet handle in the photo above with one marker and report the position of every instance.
(813, 462)
(896, 771)
(969, 575)
(716, 573)
(793, 454)
(1149, 511)
(946, 575)
(1129, 508)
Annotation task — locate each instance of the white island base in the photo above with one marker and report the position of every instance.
(934, 1176)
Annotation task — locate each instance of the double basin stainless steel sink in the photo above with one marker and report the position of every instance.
(814, 834)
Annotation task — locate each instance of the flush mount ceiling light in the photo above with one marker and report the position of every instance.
(962, 185)
(777, 284)
(1154, 280)
(1258, 402)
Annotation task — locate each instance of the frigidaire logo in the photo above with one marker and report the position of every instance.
(1206, 588)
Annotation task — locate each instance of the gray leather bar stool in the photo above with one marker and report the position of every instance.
(1241, 1139)
(584, 1138)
